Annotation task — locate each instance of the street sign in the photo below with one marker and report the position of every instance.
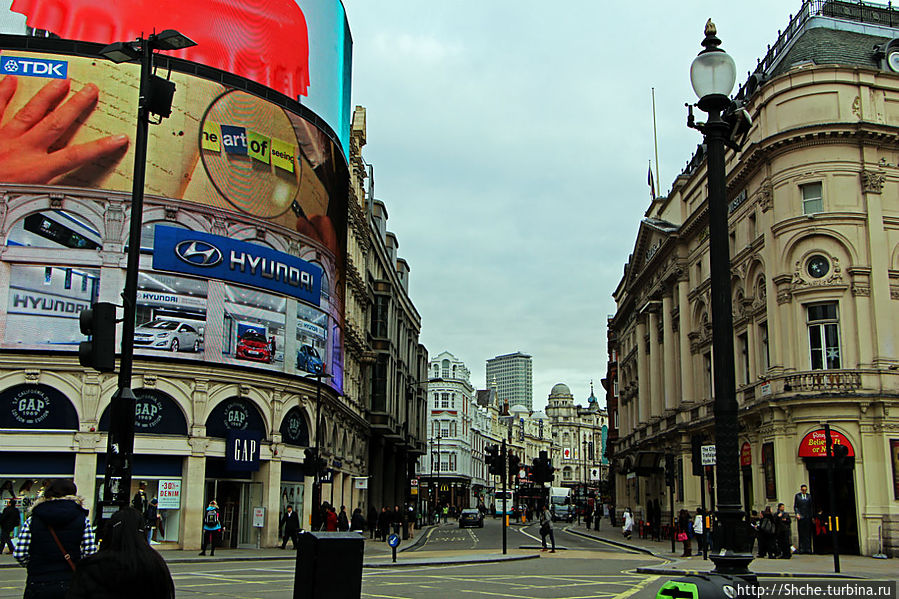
(258, 517)
(414, 482)
(360, 482)
(393, 540)
(708, 455)
(594, 474)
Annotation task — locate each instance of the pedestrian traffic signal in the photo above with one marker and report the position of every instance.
(840, 455)
(543, 470)
(669, 469)
(514, 463)
(98, 322)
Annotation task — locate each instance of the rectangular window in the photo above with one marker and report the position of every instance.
(744, 350)
(707, 363)
(752, 228)
(445, 398)
(765, 356)
(379, 315)
(824, 336)
(812, 198)
(379, 384)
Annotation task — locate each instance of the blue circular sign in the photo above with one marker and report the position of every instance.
(393, 540)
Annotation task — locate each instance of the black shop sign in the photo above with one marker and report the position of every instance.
(242, 451)
(32, 406)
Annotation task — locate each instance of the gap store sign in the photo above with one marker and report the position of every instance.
(214, 257)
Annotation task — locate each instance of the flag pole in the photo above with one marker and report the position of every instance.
(655, 138)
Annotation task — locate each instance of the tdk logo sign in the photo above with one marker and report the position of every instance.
(33, 67)
(198, 253)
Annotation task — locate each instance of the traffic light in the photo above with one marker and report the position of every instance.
(840, 455)
(543, 470)
(493, 459)
(315, 466)
(98, 322)
(514, 463)
(669, 469)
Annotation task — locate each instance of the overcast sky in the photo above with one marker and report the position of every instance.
(511, 142)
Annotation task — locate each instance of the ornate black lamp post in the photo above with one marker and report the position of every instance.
(713, 74)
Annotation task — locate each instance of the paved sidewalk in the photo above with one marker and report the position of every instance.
(805, 566)
(377, 554)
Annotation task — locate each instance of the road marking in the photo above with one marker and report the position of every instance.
(473, 536)
(638, 587)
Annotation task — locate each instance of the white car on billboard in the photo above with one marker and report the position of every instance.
(170, 335)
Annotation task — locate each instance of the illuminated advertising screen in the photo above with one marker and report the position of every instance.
(223, 151)
(300, 48)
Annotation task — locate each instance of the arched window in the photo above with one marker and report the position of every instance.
(54, 229)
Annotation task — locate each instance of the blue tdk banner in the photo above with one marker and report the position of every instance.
(33, 67)
(214, 257)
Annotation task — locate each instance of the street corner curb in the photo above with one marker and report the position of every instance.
(421, 536)
(215, 560)
(444, 562)
(616, 543)
(680, 572)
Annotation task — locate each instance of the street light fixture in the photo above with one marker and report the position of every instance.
(154, 97)
(713, 74)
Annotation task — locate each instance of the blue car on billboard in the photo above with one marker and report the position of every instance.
(309, 360)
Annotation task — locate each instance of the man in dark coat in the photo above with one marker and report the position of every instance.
(290, 522)
(372, 520)
(784, 534)
(9, 519)
(804, 510)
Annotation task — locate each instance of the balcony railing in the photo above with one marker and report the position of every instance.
(823, 380)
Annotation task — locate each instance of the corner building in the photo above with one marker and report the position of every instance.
(254, 287)
(814, 228)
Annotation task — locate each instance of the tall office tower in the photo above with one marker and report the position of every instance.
(512, 376)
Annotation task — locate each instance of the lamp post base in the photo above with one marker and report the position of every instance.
(733, 564)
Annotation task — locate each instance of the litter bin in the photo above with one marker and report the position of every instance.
(329, 566)
(702, 586)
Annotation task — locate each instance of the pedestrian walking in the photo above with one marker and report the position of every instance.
(397, 520)
(767, 534)
(53, 540)
(383, 524)
(290, 524)
(331, 519)
(343, 522)
(152, 519)
(445, 513)
(212, 527)
(372, 521)
(697, 531)
(628, 527)
(9, 520)
(140, 500)
(357, 522)
(588, 515)
(125, 565)
(685, 532)
(546, 528)
(784, 534)
(804, 510)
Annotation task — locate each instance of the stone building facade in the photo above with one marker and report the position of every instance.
(814, 227)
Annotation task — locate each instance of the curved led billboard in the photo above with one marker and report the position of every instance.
(301, 48)
(69, 121)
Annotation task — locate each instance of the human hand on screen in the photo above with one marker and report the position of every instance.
(33, 143)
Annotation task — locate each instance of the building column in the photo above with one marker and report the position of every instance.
(306, 515)
(269, 475)
(669, 392)
(85, 478)
(642, 399)
(656, 401)
(880, 304)
(193, 497)
(687, 393)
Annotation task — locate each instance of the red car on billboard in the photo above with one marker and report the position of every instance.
(252, 345)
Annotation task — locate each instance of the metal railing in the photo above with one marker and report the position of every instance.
(823, 380)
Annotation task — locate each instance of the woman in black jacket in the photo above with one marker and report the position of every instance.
(125, 566)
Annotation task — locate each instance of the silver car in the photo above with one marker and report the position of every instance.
(169, 335)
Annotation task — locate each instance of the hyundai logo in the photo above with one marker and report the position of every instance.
(198, 253)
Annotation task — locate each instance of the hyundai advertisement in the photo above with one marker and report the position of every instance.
(232, 163)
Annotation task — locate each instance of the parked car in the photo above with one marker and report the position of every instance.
(253, 345)
(169, 335)
(471, 517)
(309, 360)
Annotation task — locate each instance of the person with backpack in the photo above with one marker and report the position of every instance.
(343, 522)
(212, 527)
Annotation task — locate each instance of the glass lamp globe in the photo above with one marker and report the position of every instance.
(713, 73)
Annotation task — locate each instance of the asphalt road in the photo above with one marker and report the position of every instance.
(586, 569)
